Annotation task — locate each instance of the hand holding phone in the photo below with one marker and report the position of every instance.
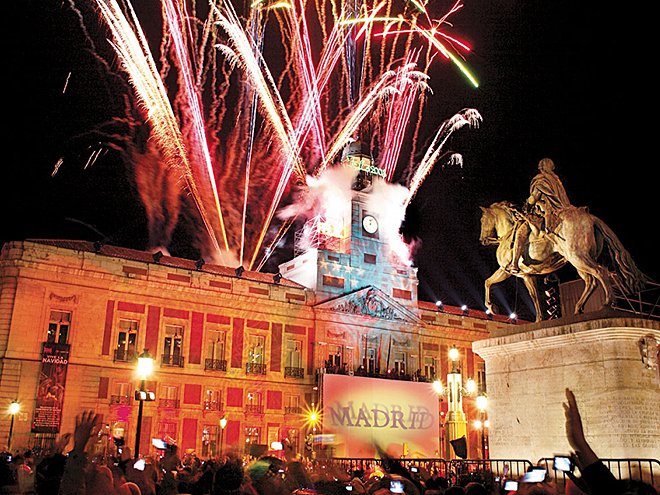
(563, 463)
(533, 476)
(510, 486)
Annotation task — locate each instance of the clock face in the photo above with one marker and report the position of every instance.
(370, 224)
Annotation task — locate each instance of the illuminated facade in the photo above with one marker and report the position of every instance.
(245, 346)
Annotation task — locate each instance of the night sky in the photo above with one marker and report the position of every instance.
(556, 81)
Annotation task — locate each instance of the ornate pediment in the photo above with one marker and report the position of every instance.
(371, 301)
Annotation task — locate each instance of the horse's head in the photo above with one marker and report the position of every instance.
(488, 234)
(494, 220)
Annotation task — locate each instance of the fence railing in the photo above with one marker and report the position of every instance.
(646, 470)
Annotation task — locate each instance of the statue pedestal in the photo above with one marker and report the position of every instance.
(598, 357)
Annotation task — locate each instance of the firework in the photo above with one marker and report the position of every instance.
(262, 129)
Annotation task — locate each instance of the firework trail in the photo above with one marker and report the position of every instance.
(301, 116)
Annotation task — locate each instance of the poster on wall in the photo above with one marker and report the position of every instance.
(362, 415)
(50, 389)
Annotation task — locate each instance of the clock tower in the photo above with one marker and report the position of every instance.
(347, 249)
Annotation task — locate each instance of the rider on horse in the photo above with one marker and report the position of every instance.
(548, 196)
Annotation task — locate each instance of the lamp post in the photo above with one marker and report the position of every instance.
(482, 402)
(223, 424)
(14, 407)
(456, 423)
(145, 366)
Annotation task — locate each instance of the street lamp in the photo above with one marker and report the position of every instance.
(223, 425)
(145, 366)
(456, 422)
(14, 407)
(482, 402)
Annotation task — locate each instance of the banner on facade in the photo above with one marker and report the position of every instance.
(50, 389)
(365, 415)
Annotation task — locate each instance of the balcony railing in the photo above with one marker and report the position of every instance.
(255, 369)
(292, 410)
(125, 356)
(122, 400)
(172, 360)
(215, 364)
(212, 405)
(254, 408)
(168, 403)
(292, 372)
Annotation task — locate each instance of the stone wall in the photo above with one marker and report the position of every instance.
(529, 368)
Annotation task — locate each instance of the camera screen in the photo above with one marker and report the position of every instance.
(396, 486)
(511, 486)
(533, 476)
(562, 463)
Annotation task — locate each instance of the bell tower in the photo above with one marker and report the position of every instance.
(347, 249)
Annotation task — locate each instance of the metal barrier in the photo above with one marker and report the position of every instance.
(461, 471)
(646, 470)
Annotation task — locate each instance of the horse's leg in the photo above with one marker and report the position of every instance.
(590, 267)
(499, 276)
(589, 287)
(531, 288)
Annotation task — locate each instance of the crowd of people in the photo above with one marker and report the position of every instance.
(78, 473)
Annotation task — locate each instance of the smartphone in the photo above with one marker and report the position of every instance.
(414, 469)
(349, 488)
(139, 465)
(563, 463)
(533, 476)
(396, 486)
(510, 486)
(159, 444)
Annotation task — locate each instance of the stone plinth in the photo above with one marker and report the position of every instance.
(597, 356)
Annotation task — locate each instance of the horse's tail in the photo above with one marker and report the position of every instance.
(630, 277)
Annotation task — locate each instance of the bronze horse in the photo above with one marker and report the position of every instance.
(578, 239)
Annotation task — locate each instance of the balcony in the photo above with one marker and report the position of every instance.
(215, 364)
(255, 369)
(121, 400)
(290, 372)
(293, 410)
(125, 356)
(172, 360)
(212, 405)
(254, 408)
(168, 403)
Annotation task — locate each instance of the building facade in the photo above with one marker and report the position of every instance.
(241, 345)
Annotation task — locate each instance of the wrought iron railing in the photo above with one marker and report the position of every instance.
(124, 356)
(172, 360)
(254, 408)
(123, 400)
(255, 369)
(212, 405)
(292, 372)
(293, 410)
(215, 364)
(168, 403)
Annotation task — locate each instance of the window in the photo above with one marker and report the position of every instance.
(256, 349)
(252, 434)
(210, 436)
(429, 366)
(167, 431)
(58, 327)
(213, 401)
(370, 364)
(254, 403)
(127, 341)
(481, 377)
(399, 363)
(256, 359)
(121, 393)
(169, 397)
(292, 405)
(173, 346)
(215, 351)
(293, 359)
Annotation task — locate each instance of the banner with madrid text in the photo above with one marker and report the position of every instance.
(363, 415)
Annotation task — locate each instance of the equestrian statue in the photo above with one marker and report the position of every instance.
(550, 232)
